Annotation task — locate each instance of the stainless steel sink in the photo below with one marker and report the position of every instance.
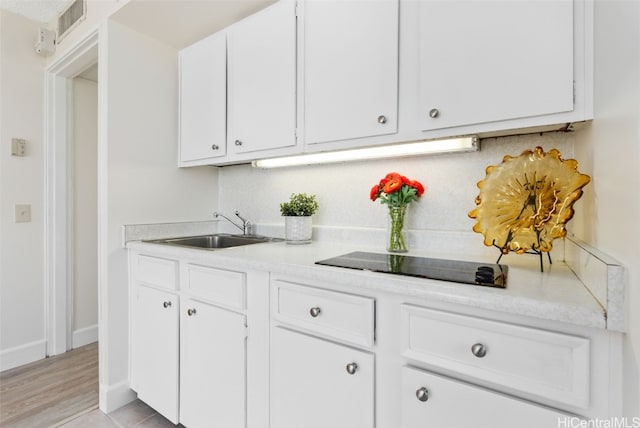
(215, 241)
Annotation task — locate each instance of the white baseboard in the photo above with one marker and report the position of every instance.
(113, 397)
(23, 354)
(85, 336)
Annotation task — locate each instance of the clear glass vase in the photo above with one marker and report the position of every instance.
(397, 236)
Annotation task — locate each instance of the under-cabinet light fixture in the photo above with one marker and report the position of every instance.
(417, 148)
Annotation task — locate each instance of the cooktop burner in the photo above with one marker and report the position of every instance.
(492, 275)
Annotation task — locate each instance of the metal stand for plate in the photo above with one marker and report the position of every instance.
(536, 252)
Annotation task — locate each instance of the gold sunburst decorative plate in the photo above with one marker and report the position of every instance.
(525, 202)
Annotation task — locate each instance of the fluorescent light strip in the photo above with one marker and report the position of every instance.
(451, 145)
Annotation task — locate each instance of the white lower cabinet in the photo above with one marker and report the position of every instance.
(216, 347)
(316, 383)
(212, 366)
(155, 350)
(437, 401)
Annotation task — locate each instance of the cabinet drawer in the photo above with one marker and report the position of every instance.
(331, 313)
(551, 365)
(448, 403)
(220, 286)
(155, 271)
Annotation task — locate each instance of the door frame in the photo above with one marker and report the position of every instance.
(58, 281)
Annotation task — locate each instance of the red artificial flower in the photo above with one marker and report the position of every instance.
(418, 186)
(375, 192)
(393, 185)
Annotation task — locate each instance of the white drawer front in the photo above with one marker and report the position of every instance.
(156, 271)
(221, 286)
(448, 403)
(339, 315)
(551, 365)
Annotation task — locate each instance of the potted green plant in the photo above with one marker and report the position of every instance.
(297, 214)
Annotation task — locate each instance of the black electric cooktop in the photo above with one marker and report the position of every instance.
(492, 275)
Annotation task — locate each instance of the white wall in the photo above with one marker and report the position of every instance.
(85, 212)
(22, 307)
(612, 146)
(139, 179)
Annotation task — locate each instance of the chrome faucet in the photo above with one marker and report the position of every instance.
(246, 227)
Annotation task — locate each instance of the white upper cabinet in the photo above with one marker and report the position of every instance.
(203, 100)
(484, 61)
(262, 81)
(350, 67)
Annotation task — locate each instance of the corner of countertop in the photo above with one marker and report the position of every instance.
(603, 276)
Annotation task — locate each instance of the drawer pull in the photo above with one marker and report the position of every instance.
(166, 304)
(382, 119)
(191, 312)
(479, 350)
(314, 312)
(422, 394)
(352, 368)
(433, 113)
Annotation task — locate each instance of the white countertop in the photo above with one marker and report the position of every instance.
(557, 294)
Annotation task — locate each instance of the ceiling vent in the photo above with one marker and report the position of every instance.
(70, 17)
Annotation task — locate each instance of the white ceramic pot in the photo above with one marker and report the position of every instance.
(297, 230)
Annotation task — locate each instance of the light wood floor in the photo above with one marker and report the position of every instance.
(43, 393)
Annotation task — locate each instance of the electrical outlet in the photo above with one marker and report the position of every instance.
(18, 147)
(22, 213)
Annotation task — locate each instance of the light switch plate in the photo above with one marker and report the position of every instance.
(18, 147)
(22, 213)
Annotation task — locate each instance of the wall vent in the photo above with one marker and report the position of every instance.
(70, 17)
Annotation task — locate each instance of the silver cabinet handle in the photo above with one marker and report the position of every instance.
(352, 368)
(215, 147)
(314, 312)
(191, 312)
(382, 119)
(479, 350)
(238, 143)
(422, 394)
(166, 304)
(433, 113)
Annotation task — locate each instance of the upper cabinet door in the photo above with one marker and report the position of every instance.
(262, 80)
(203, 99)
(350, 69)
(484, 60)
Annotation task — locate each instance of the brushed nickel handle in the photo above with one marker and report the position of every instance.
(238, 143)
(215, 147)
(352, 368)
(191, 312)
(479, 350)
(422, 394)
(382, 119)
(315, 311)
(166, 304)
(433, 113)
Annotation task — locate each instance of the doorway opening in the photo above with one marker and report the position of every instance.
(71, 282)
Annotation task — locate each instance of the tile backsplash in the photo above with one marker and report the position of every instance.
(342, 190)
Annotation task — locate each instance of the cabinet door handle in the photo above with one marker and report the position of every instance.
(215, 147)
(422, 394)
(433, 113)
(479, 350)
(191, 312)
(382, 119)
(238, 143)
(352, 368)
(315, 311)
(166, 304)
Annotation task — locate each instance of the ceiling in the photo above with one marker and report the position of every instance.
(36, 10)
(180, 23)
(177, 23)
